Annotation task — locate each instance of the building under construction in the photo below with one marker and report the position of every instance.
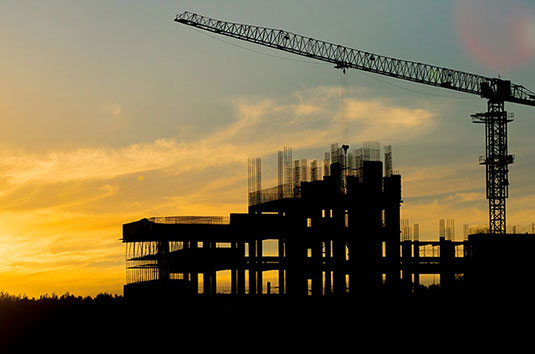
(331, 229)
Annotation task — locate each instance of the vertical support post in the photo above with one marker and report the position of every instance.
(241, 268)
(447, 255)
(408, 266)
(194, 276)
(208, 276)
(416, 257)
(317, 271)
(339, 277)
(259, 251)
(392, 225)
(234, 270)
(282, 266)
(206, 283)
(213, 275)
(163, 260)
(252, 267)
(296, 253)
(328, 267)
(213, 285)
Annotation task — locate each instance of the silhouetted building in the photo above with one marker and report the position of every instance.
(340, 235)
(501, 265)
(334, 236)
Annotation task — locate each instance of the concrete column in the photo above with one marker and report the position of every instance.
(282, 289)
(163, 264)
(328, 268)
(213, 285)
(193, 276)
(207, 281)
(416, 261)
(339, 277)
(317, 274)
(296, 282)
(252, 267)
(241, 268)
(259, 251)
(447, 255)
(406, 254)
(356, 276)
(234, 271)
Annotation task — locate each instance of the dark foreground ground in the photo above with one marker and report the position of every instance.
(109, 324)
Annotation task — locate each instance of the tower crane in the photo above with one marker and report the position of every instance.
(495, 90)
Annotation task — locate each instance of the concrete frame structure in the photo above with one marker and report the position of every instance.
(335, 237)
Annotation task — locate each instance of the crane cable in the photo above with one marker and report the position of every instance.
(321, 63)
(344, 88)
(415, 91)
(344, 121)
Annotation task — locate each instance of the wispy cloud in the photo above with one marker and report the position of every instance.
(259, 127)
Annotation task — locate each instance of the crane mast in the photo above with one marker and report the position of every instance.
(495, 90)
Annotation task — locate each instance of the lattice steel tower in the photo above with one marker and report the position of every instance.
(496, 161)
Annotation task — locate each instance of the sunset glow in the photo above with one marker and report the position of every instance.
(111, 113)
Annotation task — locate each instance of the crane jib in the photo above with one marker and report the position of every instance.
(494, 89)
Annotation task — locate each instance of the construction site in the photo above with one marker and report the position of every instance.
(331, 227)
(338, 235)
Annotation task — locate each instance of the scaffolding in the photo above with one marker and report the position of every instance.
(254, 178)
(416, 232)
(446, 229)
(405, 230)
(291, 172)
(274, 193)
(388, 160)
(146, 256)
(327, 241)
(316, 220)
(190, 220)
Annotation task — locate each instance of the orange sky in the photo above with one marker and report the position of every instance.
(112, 112)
